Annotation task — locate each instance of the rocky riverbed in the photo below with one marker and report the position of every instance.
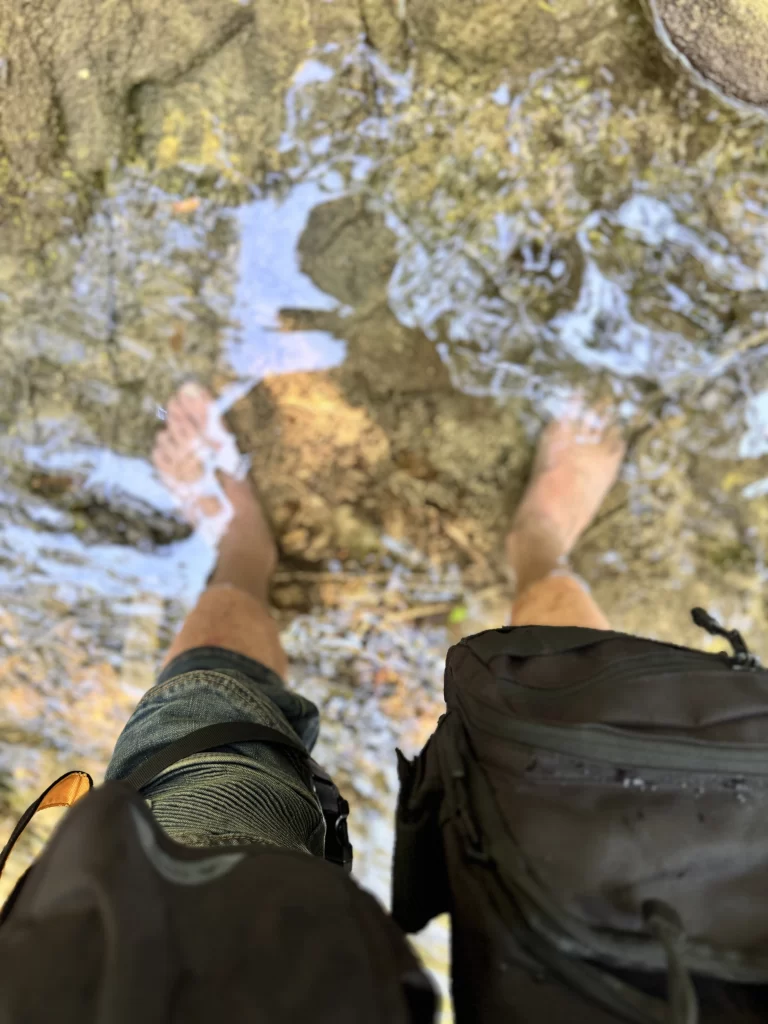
(392, 236)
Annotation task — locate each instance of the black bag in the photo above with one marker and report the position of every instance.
(118, 924)
(593, 811)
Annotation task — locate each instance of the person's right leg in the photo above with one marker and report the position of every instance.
(225, 665)
(577, 462)
(233, 611)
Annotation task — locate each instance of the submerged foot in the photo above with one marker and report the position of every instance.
(577, 462)
(198, 461)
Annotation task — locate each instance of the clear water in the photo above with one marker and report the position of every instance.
(446, 234)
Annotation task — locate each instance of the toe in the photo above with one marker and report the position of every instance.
(176, 464)
(196, 403)
(162, 460)
(163, 439)
(189, 468)
(209, 505)
(164, 445)
(592, 423)
(181, 428)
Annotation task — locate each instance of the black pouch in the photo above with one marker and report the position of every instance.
(420, 889)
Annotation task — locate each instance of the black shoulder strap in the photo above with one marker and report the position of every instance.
(338, 848)
(221, 735)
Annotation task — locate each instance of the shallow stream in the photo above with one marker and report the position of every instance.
(392, 237)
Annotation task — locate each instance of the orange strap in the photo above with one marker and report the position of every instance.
(62, 793)
(67, 790)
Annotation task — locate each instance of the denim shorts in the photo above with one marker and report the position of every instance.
(243, 793)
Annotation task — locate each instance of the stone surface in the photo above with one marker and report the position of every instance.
(392, 238)
(724, 41)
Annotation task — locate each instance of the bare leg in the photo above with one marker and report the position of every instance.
(233, 611)
(577, 462)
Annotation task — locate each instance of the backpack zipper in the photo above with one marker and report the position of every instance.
(621, 747)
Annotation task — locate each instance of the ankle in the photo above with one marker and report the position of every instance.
(533, 553)
(254, 579)
(247, 557)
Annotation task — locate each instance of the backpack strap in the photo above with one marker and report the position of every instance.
(338, 849)
(224, 734)
(64, 792)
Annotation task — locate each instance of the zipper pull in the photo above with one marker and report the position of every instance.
(742, 657)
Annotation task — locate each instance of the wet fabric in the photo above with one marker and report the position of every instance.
(246, 793)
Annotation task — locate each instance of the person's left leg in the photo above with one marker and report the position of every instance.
(577, 462)
(233, 611)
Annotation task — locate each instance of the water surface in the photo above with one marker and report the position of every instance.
(393, 246)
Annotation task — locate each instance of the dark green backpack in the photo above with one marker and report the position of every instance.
(593, 811)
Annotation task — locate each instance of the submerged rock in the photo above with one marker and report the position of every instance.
(722, 43)
(87, 86)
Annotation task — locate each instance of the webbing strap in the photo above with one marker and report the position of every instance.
(221, 735)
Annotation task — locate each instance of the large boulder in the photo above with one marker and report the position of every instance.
(722, 43)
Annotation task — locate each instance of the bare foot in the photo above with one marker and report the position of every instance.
(198, 461)
(577, 462)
